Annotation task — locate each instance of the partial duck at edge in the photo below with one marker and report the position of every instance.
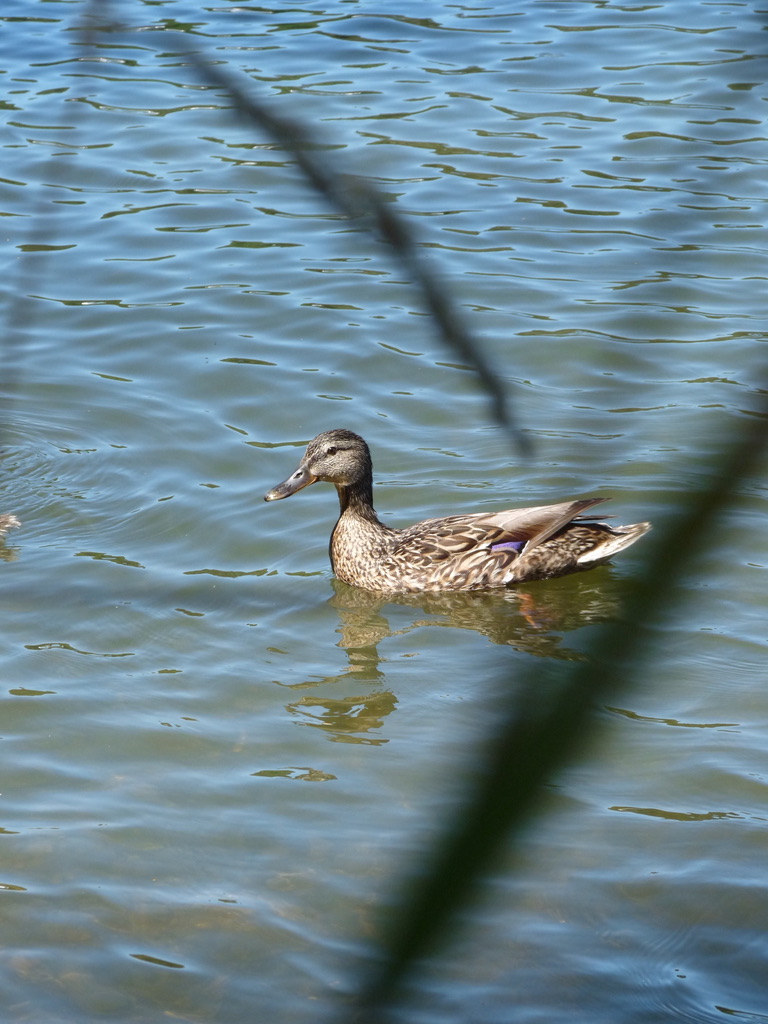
(475, 551)
(7, 522)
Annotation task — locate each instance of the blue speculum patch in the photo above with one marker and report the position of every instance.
(516, 545)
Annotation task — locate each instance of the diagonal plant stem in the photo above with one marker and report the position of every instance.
(358, 200)
(535, 742)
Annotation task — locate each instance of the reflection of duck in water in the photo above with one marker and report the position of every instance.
(536, 619)
(464, 552)
(352, 705)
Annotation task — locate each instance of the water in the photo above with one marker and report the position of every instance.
(182, 313)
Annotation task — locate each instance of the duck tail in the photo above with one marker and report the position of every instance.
(617, 538)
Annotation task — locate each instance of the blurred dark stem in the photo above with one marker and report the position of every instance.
(539, 735)
(357, 200)
(354, 198)
(24, 293)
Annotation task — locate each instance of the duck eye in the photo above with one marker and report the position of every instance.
(331, 450)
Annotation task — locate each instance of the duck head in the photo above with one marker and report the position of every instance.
(337, 456)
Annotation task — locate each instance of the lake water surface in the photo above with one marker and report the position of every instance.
(218, 763)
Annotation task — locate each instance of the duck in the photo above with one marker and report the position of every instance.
(471, 551)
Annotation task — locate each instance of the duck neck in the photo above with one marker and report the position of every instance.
(357, 500)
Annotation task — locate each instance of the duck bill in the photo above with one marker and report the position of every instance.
(296, 482)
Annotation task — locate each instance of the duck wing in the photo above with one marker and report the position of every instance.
(535, 525)
(517, 529)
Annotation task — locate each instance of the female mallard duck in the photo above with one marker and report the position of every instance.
(465, 552)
